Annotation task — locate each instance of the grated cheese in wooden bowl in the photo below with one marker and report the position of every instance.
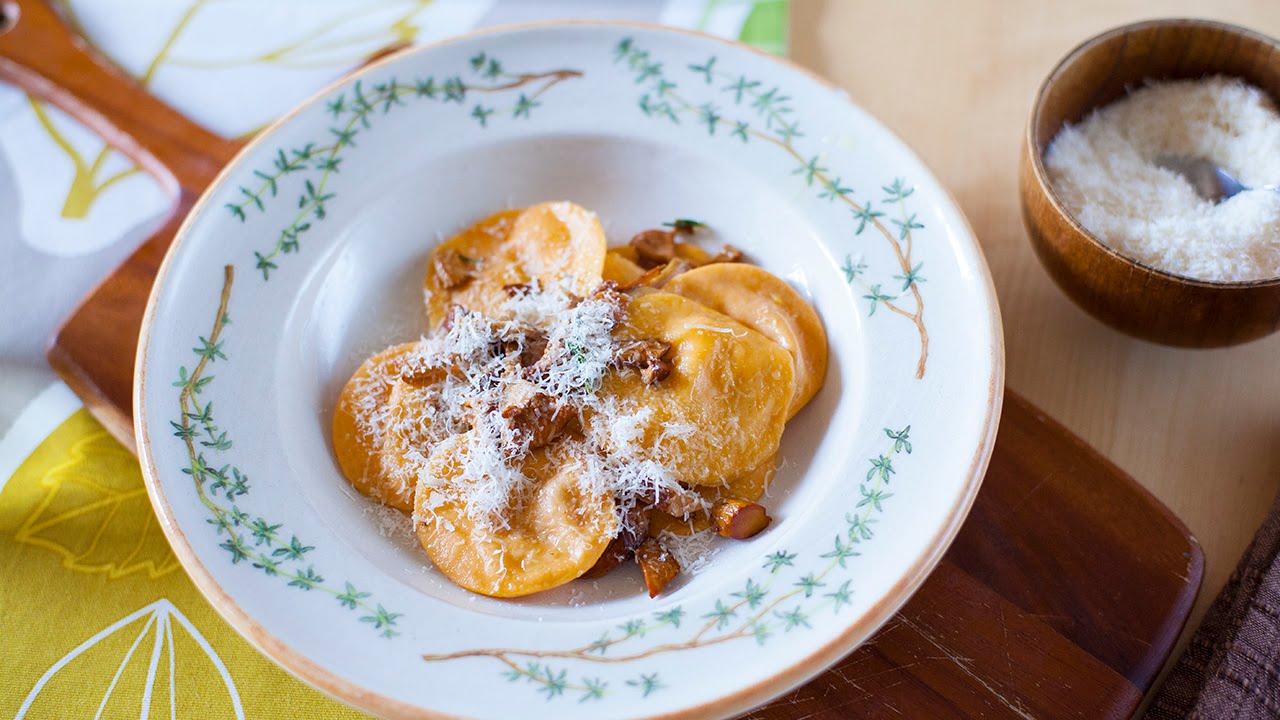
(1104, 171)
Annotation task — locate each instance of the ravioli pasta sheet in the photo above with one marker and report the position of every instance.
(576, 406)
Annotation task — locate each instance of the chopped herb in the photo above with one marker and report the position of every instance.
(685, 225)
(576, 351)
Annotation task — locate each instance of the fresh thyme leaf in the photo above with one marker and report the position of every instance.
(685, 225)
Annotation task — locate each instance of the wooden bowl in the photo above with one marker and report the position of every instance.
(1132, 297)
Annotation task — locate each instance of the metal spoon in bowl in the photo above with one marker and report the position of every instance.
(1210, 181)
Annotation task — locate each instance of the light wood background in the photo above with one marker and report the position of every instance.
(1200, 429)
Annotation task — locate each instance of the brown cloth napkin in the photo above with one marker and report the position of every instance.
(1231, 669)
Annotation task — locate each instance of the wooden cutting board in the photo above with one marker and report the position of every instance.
(1061, 597)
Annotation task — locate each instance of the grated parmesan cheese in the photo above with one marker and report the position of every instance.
(1104, 171)
(390, 522)
(480, 355)
(452, 437)
(693, 552)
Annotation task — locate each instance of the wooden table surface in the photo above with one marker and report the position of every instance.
(1199, 428)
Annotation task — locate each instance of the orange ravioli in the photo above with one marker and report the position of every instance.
(720, 413)
(747, 486)
(554, 531)
(552, 243)
(558, 242)
(360, 423)
(412, 431)
(619, 269)
(475, 244)
(767, 304)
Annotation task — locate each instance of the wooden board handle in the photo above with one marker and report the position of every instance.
(38, 46)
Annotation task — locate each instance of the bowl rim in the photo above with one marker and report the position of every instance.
(1040, 173)
(742, 700)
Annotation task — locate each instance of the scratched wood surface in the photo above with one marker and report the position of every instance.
(1060, 598)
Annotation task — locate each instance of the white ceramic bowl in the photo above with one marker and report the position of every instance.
(306, 256)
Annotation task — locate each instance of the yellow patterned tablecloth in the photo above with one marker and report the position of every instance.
(97, 618)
